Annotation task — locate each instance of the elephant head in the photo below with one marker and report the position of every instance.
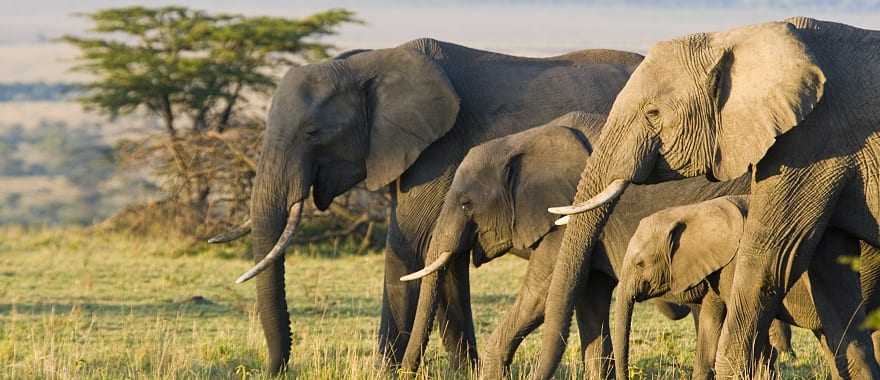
(706, 104)
(670, 253)
(497, 202)
(363, 117)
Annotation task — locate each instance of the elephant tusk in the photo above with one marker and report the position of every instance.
(235, 233)
(293, 218)
(562, 221)
(614, 189)
(431, 268)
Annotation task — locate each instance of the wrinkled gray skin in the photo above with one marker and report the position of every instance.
(686, 255)
(403, 118)
(497, 204)
(795, 101)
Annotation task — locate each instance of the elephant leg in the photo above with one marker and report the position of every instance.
(851, 346)
(828, 354)
(869, 276)
(710, 318)
(455, 310)
(695, 315)
(525, 315)
(399, 299)
(783, 228)
(840, 306)
(592, 312)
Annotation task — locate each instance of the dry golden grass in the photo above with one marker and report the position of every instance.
(76, 304)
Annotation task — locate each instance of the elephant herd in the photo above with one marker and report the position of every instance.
(724, 174)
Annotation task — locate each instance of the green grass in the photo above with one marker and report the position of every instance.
(80, 304)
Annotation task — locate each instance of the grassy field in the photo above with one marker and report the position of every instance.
(80, 304)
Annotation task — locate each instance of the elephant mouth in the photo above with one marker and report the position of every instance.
(497, 249)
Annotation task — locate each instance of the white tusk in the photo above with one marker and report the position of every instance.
(293, 218)
(237, 232)
(614, 189)
(433, 267)
(562, 221)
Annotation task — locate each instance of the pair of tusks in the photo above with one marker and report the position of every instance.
(293, 218)
(611, 192)
(614, 189)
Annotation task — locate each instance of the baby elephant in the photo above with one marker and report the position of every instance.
(685, 255)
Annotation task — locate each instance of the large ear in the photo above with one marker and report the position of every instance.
(410, 104)
(766, 81)
(545, 171)
(704, 239)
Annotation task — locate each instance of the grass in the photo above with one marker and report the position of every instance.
(76, 304)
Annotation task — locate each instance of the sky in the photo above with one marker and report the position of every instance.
(522, 27)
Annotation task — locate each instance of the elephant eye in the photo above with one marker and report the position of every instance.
(639, 263)
(652, 114)
(466, 205)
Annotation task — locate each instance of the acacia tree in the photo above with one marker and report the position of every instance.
(196, 72)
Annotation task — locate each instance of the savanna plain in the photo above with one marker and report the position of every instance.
(86, 304)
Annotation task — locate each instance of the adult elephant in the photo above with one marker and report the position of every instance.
(403, 118)
(795, 101)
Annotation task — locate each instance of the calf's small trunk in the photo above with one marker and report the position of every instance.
(623, 310)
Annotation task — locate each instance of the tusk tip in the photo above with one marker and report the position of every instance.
(244, 278)
(562, 221)
(556, 210)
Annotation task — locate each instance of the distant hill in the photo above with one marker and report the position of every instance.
(39, 91)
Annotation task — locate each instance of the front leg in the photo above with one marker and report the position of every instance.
(711, 318)
(787, 216)
(592, 314)
(525, 314)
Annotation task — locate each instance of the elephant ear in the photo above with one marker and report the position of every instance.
(767, 81)
(410, 104)
(705, 240)
(545, 171)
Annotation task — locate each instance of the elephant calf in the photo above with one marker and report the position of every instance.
(686, 255)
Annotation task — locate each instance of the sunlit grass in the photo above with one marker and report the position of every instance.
(78, 304)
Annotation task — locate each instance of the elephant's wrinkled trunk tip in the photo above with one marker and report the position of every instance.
(293, 218)
(614, 189)
(431, 268)
(237, 232)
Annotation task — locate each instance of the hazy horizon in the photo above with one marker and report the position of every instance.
(518, 27)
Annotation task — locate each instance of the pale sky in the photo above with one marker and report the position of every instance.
(535, 30)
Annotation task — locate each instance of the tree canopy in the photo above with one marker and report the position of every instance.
(174, 61)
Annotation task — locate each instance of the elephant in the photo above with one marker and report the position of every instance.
(496, 205)
(400, 119)
(788, 103)
(686, 254)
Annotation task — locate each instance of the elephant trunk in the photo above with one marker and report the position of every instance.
(446, 243)
(622, 157)
(276, 204)
(623, 310)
